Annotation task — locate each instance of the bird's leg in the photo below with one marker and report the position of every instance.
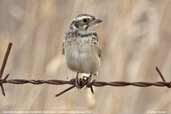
(77, 81)
(90, 78)
(77, 76)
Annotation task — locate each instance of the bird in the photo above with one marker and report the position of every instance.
(81, 46)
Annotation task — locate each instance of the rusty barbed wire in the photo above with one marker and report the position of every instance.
(76, 83)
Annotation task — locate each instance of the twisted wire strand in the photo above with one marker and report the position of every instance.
(96, 83)
(78, 83)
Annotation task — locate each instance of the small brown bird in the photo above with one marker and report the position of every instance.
(81, 45)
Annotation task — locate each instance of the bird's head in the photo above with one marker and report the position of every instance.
(84, 21)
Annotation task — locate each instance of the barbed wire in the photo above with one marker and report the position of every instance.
(75, 82)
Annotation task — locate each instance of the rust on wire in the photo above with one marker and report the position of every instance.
(76, 82)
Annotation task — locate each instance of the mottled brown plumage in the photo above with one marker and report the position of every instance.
(81, 46)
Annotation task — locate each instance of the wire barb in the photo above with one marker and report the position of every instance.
(3, 67)
(160, 74)
(162, 77)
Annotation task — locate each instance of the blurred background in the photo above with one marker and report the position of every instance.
(135, 37)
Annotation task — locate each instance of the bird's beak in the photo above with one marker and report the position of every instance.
(95, 22)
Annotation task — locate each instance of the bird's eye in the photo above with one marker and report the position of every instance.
(85, 20)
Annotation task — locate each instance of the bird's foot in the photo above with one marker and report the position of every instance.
(78, 82)
(85, 81)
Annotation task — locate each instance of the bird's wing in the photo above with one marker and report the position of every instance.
(97, 44)
(63, 51)
(99, 51)
(67, 36)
